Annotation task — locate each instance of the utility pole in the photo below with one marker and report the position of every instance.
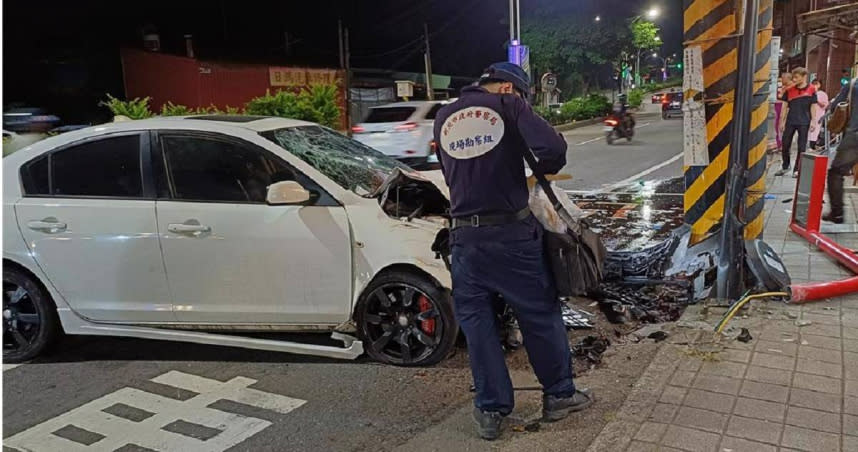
(345, 64)
(731, 258)
(427, 61)
(511, 21)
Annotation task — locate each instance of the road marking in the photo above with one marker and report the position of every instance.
(205, 428)
(599, 138)
(639, 175)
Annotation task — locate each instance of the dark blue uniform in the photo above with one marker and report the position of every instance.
(481, 139)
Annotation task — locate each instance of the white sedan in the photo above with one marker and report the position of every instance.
(188, 228)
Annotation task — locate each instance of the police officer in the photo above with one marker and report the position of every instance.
(497, 243)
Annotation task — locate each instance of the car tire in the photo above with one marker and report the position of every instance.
(25, 298)
(384, 318)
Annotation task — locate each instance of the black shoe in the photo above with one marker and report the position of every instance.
(488, 423)
(781, 172)
(556, 408)
(831, 218)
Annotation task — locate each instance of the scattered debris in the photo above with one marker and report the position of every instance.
(649, 301)
(591, 348)
(788, 200)
(803, 323)
(658, 336)
(804, 342)
(646, 331)
(828, 308)
(576, 318)
(744, 336)
(792, 315)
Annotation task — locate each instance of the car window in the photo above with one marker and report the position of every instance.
(204, 168)
(389, 114)
(108, 167)
(34, 175)
(433, 111)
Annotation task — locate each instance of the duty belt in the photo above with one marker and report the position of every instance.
(475, 221)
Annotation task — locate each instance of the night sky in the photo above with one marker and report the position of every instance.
(65, 55)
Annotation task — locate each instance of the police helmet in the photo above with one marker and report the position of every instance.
(507, 72)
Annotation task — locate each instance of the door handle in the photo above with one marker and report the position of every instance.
(188, 229)
(48, 225)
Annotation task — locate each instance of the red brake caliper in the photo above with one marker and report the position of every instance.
(428, 326)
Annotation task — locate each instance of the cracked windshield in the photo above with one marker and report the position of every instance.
(350, 164)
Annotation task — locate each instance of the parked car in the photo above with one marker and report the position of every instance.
(28, 120)
(656, 98)
(671, 105)
(188, 228)
(402, 130)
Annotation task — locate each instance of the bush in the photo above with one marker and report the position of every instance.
(170, 109)
(636, 97)
(316, 104)
(134, 109)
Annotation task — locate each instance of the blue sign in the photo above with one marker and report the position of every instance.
(520, 55)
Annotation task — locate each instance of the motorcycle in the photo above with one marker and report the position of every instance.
(616, 128)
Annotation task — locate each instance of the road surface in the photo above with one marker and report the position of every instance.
(137, 395)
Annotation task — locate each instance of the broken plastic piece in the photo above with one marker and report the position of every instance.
(744, 336)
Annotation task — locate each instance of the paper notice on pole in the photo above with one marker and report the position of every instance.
(773, 72)
(695, 145)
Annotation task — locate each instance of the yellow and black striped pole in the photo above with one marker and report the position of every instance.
(713, 26)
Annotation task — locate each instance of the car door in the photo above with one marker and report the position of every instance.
(88, 216)
(233, 259)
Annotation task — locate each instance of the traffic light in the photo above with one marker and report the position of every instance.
(679, 65)
(844, 81)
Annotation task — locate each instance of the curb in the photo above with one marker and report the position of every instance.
(577, 124)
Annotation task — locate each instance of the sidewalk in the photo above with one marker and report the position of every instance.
(790, 388)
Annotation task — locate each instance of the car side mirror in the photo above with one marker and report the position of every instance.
(287, 192)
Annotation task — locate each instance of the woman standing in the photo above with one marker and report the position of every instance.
(817, 112)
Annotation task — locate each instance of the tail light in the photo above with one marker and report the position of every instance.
(358, 129)
(664, 100)
(611, 122)
(407, 127)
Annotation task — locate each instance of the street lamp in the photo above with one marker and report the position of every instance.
(652, 13)
(598, 18)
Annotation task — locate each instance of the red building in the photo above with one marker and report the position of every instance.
(196, 83)
(819, 35)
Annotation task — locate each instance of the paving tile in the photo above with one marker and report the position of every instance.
(673, 395)
(651, 432)
(682, 378)
(773, 361)
(819, 368)
(810, 440)
(775, 335)
(777, 347)
(764, 391)
(821, 330)
(817, 383)
(850, 345)
(852, 388)
(691, 439)
(850, 332)
(741, 356)
(690, 364)
(850, 424)
(832, 343)
(760, 409)
(823, 318)
(815, 400)
(767, 375)
(714, 401)
(637, 446)
(723, 369)
(700, 419)
(850, 405)
(714, 383)
(820, 354)
(812, 419)
(743, 445)
(755, 429)
(663, 413)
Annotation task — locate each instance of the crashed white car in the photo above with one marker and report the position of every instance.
(198, 228)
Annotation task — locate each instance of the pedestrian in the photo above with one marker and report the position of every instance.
(497, 243)
(780, 106)
(799, 96)
(818, 111)
(846, 156)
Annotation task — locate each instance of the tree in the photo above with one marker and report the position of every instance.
(576, 48)
(644, 34)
